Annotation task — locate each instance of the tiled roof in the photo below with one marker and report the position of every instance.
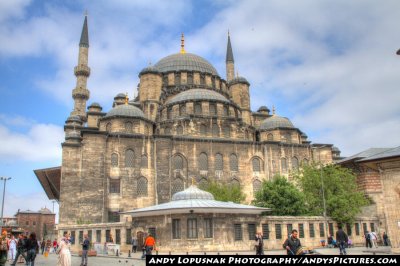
(276, 121)
(394, 152)
(364, 154)
(185, 62)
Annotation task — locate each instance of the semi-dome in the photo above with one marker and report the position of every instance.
(238, 80)
(149, 69)
(126, 110)
(276, 121)
(263, 109)
(192, 192)
(198, 94)
(185, 62)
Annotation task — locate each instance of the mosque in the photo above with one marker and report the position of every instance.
(130, 170)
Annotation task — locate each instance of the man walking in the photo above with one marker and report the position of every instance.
(134, 244)
(20, 249)
(367, 239)
(85, 249)
(259, 244)
(292, 244)
(342, 238)
(149, 244)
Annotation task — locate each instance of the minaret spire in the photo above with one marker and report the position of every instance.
(82, 71)
(230, 62)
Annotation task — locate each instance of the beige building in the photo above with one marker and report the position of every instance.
(187, 123)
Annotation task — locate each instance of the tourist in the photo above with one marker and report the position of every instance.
(374, 239)
(55, 245)
(385, 239)
(20, 249)
(330, 241)
(134, 243)
(342, 238)
(149, 244)
(349, 243)
(42, 246)
(32, 249)
(85, 249)
(12, 246)
(64, 254)
(3, 248)
(259, 244)
(292, 244)
(367, 237)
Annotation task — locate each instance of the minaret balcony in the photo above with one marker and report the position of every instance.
(82, 70)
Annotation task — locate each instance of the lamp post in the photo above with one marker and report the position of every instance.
(2, 205)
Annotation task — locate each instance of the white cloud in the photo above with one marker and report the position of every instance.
(40, 143)
(14, 8)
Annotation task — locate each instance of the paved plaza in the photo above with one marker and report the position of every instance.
(136, 261)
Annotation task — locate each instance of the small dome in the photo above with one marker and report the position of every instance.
(275, 121)
(185, 62)
(148, 70)
(126, 110)
(95, 105)
(198, 94)
(120, 96)
(263, 109)
(239, 80)
(192, 192)
(45, 211)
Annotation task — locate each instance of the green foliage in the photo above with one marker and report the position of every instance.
(343, 200)
(223, 191)
(282, 197)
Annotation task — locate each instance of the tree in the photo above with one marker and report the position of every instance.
(281, 196)
(224, 191)
(343, 200)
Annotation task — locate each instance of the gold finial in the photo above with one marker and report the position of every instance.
(183, 44)
(126, 98)
(273, 109)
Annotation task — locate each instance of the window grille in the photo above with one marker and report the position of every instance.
(278, 231)
(301, 230)
(265, 231)
(114, 160)
(177, 185)
(129, 158)
(283, 165)
(256, 186)
(176, 229)
(203, 162)
(144, 162)
(321, 230)
(295, 163)
(178, 162)
(192, 228)
(197, 108)
(219, 163)
(251, 229)
(115, 186)
(142, 186)
(238, 232)
(312, 231)
(208, 228)
(233, 161)
(256, 165)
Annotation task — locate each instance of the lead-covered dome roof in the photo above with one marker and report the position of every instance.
(197, 95)
(192, 193)
(126, 110)
(276, 121)
(185, 62)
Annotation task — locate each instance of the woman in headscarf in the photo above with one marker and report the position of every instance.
(64, 254)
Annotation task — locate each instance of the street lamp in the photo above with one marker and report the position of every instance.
(322, 187)
(2, 205)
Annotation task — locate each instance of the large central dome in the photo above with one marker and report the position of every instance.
(185, 61)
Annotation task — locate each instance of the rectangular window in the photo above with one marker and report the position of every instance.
(321, 230)
(152, 231)
(80, 237)
(208, 228)
(312, 231)
(128, 236)
(192, 228)
(278, 231)
(238, 232)
(357, 225)
(176, 229)
(33, 223)
(117, 236)
(108, 234)
(115, 186)
(348, 229)
(372, 227)
(330, 225)
(27, 223)
(251, 229)
(73, 237)
(289, 228)
(265, 231)
(113, 217)
(90, 235)
(301, 230)
(365, 227)
(98, 236)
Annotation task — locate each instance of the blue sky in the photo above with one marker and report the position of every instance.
(329, 66)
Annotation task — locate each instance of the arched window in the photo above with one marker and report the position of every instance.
(215, 130)
(284, 165)
(169, 113)
(177, 79)
(203, 130)
(203, 162)
(190, 78)
(144, 162)
(227, 131)
(225, 111)
(167, 131)
(270, 137)
(177, 185)
(213, 109)
(114, 160)
(235, 182)
(179, 130)
(108, 127)
(219, 163)
(256, 186)
(128, 127)
(295, 163)
(202, 79)
(182, 109)
(256, 165)
(233, 163)
(178, 162)
(288, 138)
(129, 158)
(305, 161)
(142, 186)
(197, 109)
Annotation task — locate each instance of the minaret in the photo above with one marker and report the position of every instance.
(230, 63)
(81, 94)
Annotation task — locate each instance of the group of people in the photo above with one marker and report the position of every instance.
(149, 244)
(26, 247)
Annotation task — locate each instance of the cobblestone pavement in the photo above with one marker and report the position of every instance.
(135, 260)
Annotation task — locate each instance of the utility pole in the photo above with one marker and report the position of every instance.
(2, 205)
